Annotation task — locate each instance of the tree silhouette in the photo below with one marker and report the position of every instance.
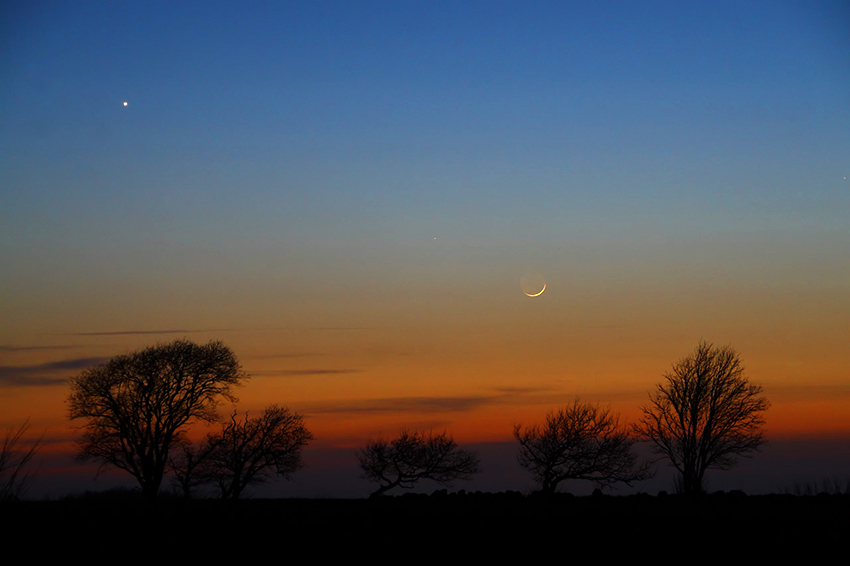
(137, 406)
(190, 466)
(580, 442)
(15, 457)
(414, 456)
(249, 451)
(704, 415)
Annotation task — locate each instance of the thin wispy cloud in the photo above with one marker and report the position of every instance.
(34, 348)
(143, 332)
(294, 372)
(603, 397)
(202, 330)
(273, 356)
(522, 390)
(403, 404)
(819, 391)
(51, 373)
(454, 404)
(310, 328)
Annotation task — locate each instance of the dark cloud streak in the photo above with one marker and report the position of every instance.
(32, 348)
(426, 404)
(50, 373)
(405, 404)
(274, 356)
(294, 372)
(136, 332)
(814, 391)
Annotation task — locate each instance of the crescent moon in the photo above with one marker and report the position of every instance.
(537, 294)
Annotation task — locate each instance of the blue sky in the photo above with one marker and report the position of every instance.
(480, 121)
(314, 130)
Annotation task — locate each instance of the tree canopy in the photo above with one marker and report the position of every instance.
(579, 442)
(413, 456)
(251, 450)
(704, 415)
(137, 406)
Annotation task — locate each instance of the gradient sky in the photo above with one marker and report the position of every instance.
(348, 193)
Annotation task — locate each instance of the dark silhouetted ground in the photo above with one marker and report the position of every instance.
(508, 520)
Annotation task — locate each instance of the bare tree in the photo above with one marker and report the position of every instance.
(580, 442)
(190, 465)
(249, 451)
(15, 456)
(137, 406)
(704, 415)
(414, 456)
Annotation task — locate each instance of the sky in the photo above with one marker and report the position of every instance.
(348, 194)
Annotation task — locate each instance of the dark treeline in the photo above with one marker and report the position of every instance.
(136, 410)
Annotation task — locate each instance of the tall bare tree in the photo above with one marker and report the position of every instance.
(16, 454)
(704, 415)
(251, 450)
(580, 442)
(413, 456)
(137, 406)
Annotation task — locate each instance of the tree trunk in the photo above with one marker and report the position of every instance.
(382, 489)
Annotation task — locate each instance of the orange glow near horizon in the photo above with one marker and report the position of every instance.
(475, 398)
